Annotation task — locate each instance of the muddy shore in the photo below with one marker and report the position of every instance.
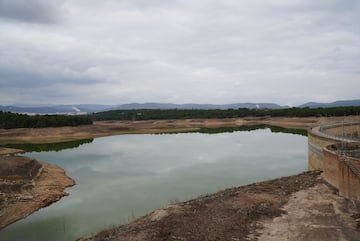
(26, 185)
(302, 207)
(9, 151)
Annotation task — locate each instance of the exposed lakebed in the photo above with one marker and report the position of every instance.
(123, 177)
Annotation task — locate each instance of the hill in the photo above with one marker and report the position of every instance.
(91, 108)
(56, 109)
(152, 105)
(332, 104)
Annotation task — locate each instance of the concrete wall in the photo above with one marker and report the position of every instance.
(326, 152)
(331, 168)
(316, 144)
(338, 172)
(349, 183)
(323, 136)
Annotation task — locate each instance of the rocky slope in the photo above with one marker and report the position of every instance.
(27, 185)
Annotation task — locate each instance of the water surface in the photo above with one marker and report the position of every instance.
(123, 177)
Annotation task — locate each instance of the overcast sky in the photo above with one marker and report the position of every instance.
(179, 51)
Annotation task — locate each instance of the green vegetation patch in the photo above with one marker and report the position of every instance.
(218, 130)
(10, 120)
(31, 147)
(162, 114)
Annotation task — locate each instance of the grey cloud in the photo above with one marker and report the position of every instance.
(149, 4)
(332, 5)
(34, 11)
(32, 79)
(310, 5)
(202, 51)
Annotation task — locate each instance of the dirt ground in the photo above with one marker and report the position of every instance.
(300, 207)
(107, 128)
(22, 192)
(8, 151)
(251, 212)
(313, 214)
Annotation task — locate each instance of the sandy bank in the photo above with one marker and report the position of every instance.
(247, 213)
(9, 151)
(107, 128)
(27, 185)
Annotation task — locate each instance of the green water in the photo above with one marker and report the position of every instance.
(123, 177)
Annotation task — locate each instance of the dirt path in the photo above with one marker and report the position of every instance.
(313, 214)
(244, 213)
(107, 128)
(22, 192)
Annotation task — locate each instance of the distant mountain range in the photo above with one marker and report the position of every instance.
(56, 109)
(332, 104)
(198, 106)
(89, 108)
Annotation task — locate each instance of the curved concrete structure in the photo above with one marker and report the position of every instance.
(342, 170)
(335, 149)
(322, 136)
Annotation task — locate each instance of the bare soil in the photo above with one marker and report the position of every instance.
(247, 213)
(26, 185)
(107, 128)
(9, 151)
(313, 214)
(292, 208)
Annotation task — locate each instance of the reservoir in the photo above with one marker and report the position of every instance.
(120, 178)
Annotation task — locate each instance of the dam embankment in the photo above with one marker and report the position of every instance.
(334, 148)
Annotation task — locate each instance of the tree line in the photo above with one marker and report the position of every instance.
(10, 120)
(14, 120)
(159, 114)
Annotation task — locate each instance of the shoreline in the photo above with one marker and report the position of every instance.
(109, 128)
(249, 213)
(169, 223)
(9, 151)
(23, 195)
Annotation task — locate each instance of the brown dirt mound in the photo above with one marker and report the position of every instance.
(27, 185)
